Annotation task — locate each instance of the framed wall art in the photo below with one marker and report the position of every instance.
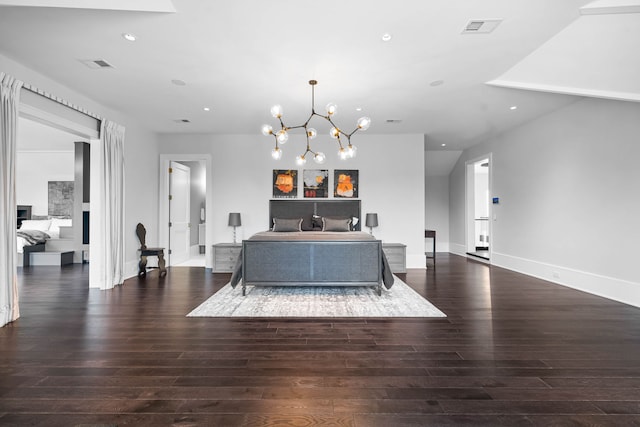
(60, 201)
(285, 184)
(345, 183)
(316, 183)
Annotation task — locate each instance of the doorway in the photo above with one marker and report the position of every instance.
(179, 212)
(184, 201)
(53, 175)
(478, 208)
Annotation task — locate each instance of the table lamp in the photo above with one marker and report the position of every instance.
(371, 221)
(234, 221)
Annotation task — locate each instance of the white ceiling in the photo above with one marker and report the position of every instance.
(241, 57)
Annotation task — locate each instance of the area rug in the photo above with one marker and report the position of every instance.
(320, 301)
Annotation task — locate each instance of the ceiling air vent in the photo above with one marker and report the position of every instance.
(394, 121)
(96, 63)
(481, 26)
(182, 121)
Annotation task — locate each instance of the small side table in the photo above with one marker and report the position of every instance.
(225, 256)
(396, 254)
(431, 234)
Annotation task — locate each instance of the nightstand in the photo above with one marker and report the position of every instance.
(225, 256)
(396, 254)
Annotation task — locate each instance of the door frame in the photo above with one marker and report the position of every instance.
(163, 199)
(469, 202)
(92, 137)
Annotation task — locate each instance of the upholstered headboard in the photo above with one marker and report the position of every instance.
(305, 209)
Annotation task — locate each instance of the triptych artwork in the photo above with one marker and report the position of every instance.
(315, 183)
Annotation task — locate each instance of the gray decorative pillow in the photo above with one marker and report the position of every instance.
(286, 224)
(336, 224)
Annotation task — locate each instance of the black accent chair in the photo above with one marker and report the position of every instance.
(141, 232)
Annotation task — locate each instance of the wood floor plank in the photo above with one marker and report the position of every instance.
(513, 351)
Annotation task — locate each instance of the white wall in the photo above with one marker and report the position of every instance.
(141, 154)
(34, 170)
(391, 181)
(569, 186)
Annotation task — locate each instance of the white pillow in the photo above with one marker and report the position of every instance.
(36, 224)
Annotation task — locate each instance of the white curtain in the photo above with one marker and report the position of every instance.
(112, 202)
(9, 104)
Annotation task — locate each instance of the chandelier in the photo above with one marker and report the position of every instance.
(282, 135)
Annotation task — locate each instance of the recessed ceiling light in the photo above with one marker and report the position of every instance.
(178, 82)
(358, 108)
(130, 37)
(207, 109)
(443, 145)
(513, 107)
(386, 37)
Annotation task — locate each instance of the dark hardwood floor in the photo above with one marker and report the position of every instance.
(513, 351)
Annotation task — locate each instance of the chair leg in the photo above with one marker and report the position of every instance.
(142, 266)
(161, 264)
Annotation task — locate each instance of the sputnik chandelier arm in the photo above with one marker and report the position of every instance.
(282, 135)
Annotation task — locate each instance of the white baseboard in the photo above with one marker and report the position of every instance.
(130, 269)
(607, 287)
(416, 261)
(604, 286)
(457, 249)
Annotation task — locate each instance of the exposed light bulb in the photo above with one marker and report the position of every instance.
(276, 111)
(282, 136)
(319, 158)
(334, 132)
(300, 160)
(364, 123)
(267, 130)
(351, 150)
(332, 109)
(342, 153)
(276, 153)
(312, 133)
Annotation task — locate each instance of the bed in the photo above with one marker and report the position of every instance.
(33, 235)
(338, 254)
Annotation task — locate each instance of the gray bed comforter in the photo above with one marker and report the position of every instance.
(387, 275)
(33, 237)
